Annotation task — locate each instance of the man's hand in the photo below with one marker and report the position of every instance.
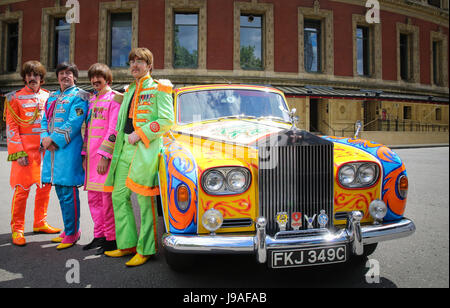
(52, 147)
(23, 161)
(47, 142)
(102, 165)
(133, 138)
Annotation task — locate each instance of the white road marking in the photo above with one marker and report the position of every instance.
(49, 245)
(92, 257)
(8, 276)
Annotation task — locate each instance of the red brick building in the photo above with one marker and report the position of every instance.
(334, 66)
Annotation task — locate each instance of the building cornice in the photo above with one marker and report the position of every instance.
(411, 8)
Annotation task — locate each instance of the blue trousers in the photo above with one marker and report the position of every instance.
(69, 201)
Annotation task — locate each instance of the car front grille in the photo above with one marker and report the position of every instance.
(295, 178)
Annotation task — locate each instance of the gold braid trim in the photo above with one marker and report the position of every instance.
(17, 119)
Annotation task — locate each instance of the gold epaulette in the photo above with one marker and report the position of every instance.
(164, 85)
(118, 97)
(9, 96)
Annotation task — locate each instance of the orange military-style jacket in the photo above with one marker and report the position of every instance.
(23, 112)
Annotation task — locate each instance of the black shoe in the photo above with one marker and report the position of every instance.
(96, 242)
(106, 246)
(109, 245)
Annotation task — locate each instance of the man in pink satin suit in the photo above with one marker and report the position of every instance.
(98, 147)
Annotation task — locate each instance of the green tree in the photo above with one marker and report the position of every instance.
(248, 59)
(182, 56)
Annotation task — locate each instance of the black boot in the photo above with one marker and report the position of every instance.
(96, 242)
(107, 246)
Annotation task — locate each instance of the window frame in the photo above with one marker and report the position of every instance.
(366, 52)
(187, 6)
(317, 25)
(413, 52)
(47, 31)
(374, 46)
(266, 10)
(104, 28)
(53, 50)
(405, 57)
(109, 50)
(441, 39)
(327, 40)
(407, 112)
(7, 47)
(175, 13)
(261, 40)
(6, 18)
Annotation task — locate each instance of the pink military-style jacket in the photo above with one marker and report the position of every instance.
(100, 135)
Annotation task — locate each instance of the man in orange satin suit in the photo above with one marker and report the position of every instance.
(23, 111)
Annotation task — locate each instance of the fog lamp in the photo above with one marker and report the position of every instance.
(377, 210)
(212, 220)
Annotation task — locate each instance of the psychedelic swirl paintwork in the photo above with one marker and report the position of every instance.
(192, 149)
(393, 169)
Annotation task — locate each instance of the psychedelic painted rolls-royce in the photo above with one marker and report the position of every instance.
(237, 176)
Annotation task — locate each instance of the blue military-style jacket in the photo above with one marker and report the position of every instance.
(64, 115)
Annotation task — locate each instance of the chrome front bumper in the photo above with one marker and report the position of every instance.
(354, 234)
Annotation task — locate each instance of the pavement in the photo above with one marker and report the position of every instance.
(421, 260)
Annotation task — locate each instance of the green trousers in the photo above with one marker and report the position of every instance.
(126, 230)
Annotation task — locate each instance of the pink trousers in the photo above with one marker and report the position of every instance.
(100, 205)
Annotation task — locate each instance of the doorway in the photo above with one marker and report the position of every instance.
(370, 115)
(314, 115)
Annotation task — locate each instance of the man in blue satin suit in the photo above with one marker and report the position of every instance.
(61, 139)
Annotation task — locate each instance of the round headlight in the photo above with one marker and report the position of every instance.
(236, 180)
(214, 181)
(377, 209)
(212, 220)
(367, 173)
(347, 175)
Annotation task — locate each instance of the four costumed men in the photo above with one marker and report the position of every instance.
(118, 156)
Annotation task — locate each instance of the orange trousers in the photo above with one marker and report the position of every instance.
(19, 204)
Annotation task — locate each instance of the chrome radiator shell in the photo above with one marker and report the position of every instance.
(295, 174)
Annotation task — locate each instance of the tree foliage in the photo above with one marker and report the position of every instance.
(248, 59)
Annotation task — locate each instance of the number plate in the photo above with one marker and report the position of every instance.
(308, 256)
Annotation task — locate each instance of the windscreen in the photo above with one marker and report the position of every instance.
(221, 103)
